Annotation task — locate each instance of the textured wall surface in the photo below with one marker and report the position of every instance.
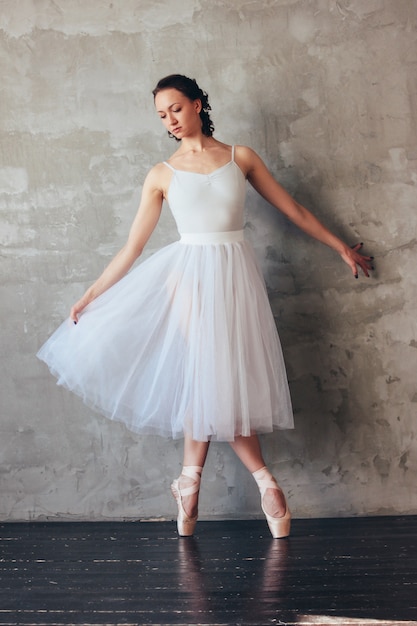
(326, 92)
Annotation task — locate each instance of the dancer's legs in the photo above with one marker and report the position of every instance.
(248, 450)
(195, 454)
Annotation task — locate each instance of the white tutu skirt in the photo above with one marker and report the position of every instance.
(184, 344)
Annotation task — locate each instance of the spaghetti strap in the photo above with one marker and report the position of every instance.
(233, 153)
(168, 165)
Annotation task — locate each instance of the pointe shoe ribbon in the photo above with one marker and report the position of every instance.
(279, 526)
(186, 524)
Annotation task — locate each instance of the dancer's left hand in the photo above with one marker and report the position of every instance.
(356, 260)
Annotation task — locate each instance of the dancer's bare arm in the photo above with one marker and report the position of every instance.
(143, 225)
(262, 180)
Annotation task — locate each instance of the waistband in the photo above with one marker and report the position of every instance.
(230, 236)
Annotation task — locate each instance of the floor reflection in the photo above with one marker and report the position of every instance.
(191, 577)
(237, 583)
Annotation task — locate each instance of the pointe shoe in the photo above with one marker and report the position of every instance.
(279, 526)
(186, 524)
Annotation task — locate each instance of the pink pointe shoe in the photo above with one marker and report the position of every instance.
(279, 526)
(186, 524)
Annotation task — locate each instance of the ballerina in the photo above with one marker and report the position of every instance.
(185, 345)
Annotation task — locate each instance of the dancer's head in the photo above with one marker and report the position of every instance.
(189, 89)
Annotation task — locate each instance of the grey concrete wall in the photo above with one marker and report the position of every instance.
(325, 91)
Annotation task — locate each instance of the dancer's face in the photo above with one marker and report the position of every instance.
(179, 114)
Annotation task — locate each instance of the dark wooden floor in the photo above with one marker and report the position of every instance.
(344, 571)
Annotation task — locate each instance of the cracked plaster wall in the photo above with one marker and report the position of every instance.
(326, 92)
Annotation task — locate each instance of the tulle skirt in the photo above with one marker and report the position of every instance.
(184, 344)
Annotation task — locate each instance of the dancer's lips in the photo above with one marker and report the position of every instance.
(176, 130)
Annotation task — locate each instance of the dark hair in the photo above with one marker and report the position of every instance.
(190, 89)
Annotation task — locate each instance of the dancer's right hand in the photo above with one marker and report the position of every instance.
(76, 310)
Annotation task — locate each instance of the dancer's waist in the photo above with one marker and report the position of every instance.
(230, 236)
